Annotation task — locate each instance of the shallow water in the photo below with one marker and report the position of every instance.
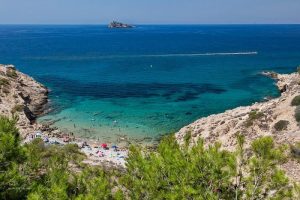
(150, 80)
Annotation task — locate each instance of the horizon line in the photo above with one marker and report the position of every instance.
(141, 24)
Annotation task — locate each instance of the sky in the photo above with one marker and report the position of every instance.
(150, 11)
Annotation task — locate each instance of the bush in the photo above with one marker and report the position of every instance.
(39, 171)
(187, 137)
(4, 82)
(281, 125)
(297, 114)
(12, 182)
(253, 115)
(11, 73)
(295, 150)
(298, 70)
(17, 108)
(296, 101)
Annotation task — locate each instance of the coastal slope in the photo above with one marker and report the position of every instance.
(23, 97)
(257, 120)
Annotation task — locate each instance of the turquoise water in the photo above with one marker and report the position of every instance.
(151, 80)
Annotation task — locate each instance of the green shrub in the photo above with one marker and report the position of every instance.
(39, 171)
(5, 90)
(253, 115)
(17, 108)
(281, 125)
(174, 172)
(295, 150)
(4, 82)
(12, 183)
(11, 73)
(296, 101)
(297, 114)
(187, 137)
(298, 70)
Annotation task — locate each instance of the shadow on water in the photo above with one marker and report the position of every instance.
(169, 91)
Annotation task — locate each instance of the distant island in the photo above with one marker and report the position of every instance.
(116, 24)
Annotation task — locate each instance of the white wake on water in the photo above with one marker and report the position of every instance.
(200, 54)
(141, 56)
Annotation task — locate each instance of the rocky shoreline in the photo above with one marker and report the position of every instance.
(24, 98)
(259, 119)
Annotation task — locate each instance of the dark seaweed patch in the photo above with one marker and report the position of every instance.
(178, 92)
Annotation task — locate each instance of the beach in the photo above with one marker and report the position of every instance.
(149, 81)
(217, 127)
(26, 99)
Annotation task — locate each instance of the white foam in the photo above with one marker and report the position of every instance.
(142, 56)
(200, 54)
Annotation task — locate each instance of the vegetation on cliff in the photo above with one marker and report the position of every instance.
(281, 125)
(296, 101)
(36, 171)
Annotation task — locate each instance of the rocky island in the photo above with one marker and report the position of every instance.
(116, 24)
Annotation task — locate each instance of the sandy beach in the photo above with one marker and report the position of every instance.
(218, 127)
(27, 99)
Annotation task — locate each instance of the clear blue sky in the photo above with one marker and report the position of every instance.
(149, 11)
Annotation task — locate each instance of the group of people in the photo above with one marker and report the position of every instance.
(100, 152)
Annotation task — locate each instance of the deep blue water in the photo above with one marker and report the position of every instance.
(149, 80)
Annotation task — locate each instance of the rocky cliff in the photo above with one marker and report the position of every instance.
(22, 96)
(274, 118)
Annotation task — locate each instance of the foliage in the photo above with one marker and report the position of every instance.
(17, 108)
(295, 150)
(297, 114)
(187, 138)
(4, 82)
(12, 183)
(175, 172)
(281, 125)
(37, 171)
(11, 73)
(296, 101)
(253, 115)
(93, 184)
(265, 179)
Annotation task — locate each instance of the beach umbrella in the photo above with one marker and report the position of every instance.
(114, 146)
(46, 139)
(104, 145)
(38, 134)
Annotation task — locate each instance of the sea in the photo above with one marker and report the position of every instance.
(151, 80)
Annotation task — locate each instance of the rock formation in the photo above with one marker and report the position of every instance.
(254, 121)
(21, 96)
(116, 24)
